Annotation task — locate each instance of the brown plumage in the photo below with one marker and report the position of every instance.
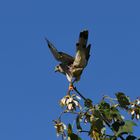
(73, 67)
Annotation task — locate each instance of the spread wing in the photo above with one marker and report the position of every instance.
(82, 50)
(66, 70)
(59, 56)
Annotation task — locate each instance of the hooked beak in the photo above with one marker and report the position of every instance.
(56, 69)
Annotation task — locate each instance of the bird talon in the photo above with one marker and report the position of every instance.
(71, 87)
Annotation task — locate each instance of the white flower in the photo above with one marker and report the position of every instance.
(132, 112)
(63, 100)
(132, 106)
(60, 127)
(137, 116)
(137, 101)
(70, 101)
(70, 107)
(122, 117)
(65, 127)
(79, 98)
(76, 102)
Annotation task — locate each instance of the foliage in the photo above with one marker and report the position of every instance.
(101, 117)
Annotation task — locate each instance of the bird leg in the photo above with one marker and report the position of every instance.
(74, 80)
(71, 86)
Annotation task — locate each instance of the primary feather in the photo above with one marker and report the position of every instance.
(60, 56)
(73, 67)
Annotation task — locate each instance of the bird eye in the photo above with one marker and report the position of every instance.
(77, 44)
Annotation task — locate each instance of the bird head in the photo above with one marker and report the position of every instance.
(57, 68)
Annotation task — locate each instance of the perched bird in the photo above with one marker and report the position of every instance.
(71, 66)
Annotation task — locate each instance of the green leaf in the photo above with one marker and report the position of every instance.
(74, 137)
(107, 115)
(110, 138)
(97, 125)
(78, 125)
(115, 113)
(123, 100)
(110, 113)
(130, 137)
(69, 130)
(104, 105)
(88, 117)
(88, 103)
(95, 135)
(127, 127)
(116, 125)
(96, 113)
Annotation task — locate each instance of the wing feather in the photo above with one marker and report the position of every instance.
(82, 53)
(59, 56)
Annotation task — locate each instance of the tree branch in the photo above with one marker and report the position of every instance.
(75, 89)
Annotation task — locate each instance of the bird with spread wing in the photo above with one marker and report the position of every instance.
(71, 66)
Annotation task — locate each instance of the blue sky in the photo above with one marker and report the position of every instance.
(30, 90)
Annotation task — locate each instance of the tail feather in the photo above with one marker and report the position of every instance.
(83, 37)
(88, 52)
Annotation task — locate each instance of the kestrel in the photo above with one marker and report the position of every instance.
(71, 66)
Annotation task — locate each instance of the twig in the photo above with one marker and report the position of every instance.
(75, 89)
(59, 118)
(105, 120)
(66, 111)
(62, 136)
(85, 131)
(107, 97)
(121, 137)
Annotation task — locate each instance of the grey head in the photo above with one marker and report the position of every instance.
(64, 69)
(59, 68)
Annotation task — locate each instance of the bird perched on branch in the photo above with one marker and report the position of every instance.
(71, 66)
